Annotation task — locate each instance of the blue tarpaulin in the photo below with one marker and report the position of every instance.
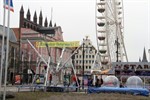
(134, 91)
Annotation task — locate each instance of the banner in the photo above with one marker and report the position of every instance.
(131, 65)
(58, 44)
(131, 68)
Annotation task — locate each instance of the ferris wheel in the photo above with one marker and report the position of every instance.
(110, 32)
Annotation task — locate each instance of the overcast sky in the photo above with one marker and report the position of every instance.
(77, 19)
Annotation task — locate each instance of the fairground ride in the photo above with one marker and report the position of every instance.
(109, 19)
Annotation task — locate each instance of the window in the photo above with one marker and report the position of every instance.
(89, 61)
(89, 67)
(77, 61)
(86, 56)
(76, 56)
(86, 67)
(80, 56)
(86, 61)
(93, 61)
(89, 56)
(80, 61)
(25, 24)
(92, 56)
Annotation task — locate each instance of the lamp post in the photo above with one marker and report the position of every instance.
(83, 65)
(83, 54)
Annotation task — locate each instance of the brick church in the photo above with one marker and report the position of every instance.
(26, 57)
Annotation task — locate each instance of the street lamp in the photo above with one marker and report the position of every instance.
(83, 54)
(83, 66)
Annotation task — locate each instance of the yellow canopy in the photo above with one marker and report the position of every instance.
(96, 72)
(107, 71)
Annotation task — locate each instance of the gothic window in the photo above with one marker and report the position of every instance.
(31, 26)
(24, 24)
(34, 28)
(28, 26)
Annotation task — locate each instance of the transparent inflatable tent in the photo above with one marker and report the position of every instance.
(111, 81)
(134, 82)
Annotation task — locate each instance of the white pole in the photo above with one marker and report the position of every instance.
(149, 54)
(37, 52)
(60, 59)
(7, 51)
(37, 70)
(47, 70)
(2, 51)
(29, 66)
(48, 64)
(75, 73)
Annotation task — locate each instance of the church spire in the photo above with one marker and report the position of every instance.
(35, 18)
(40, 18)
(22, 10)
(50, 24)
(45, 23)
(140, 59)
(28, 14)
(55, 25)
(21, 16)
(144, 56)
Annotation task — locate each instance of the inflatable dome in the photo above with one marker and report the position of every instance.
(111, 81)
(134, 82)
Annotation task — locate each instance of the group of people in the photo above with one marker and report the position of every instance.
(98, 82)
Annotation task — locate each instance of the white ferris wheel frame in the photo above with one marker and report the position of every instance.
(119, 29)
